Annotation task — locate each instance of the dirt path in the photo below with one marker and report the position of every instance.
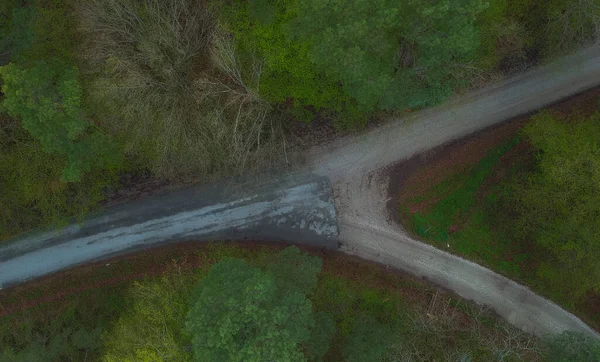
(356, 166)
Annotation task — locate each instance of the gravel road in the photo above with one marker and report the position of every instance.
(356, 167)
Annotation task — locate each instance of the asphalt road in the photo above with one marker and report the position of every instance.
(293, 208)
(356, 166)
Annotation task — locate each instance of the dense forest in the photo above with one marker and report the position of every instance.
(96, 90)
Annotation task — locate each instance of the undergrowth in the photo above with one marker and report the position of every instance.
(424, 323)
(167, 81)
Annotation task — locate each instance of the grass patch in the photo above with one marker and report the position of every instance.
(458, 217)
(457, 197)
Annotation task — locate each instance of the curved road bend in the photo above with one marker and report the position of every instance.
(356, 167)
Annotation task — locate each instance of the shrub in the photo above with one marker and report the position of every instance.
(262, 28)
(572, 347)
(47, 100)
(557, 204)
(392, 55)
(152, 329)
(170, 86)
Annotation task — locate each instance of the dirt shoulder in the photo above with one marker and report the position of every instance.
(422, 171)
(125, 269)
(411, 180)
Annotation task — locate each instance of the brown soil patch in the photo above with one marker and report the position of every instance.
(420, 173)
(456, 158)
(415, 176)
(584, 104)
(520, 154)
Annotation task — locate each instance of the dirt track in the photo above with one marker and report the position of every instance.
(356, 166)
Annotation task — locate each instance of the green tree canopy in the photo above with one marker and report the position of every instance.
(394, 54)
(240, 316)
(152, 330)
(47, 98)
(237, 312)
(261, 28)
(242, 313)
(294, 270)
(558, 205)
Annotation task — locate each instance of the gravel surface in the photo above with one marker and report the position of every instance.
(356, 167)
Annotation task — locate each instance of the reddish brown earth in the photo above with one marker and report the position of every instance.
(413, 177)
(417, 175)
(50, 293)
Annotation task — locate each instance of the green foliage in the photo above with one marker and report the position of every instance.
(295, 270)
(16, 29)
(36, 30)
(152, 330)
(256, 310)
(556, 27)
(572, 347)
(368, 340)
(147, 322)
(41, 90)
(503, 35)
(54, 27)
(557, 206)
(390, 54)
(47, 99)
(262, 29)
(34, 353)
(240, 315)
(31, 192)
(64, 330)
(321, 335)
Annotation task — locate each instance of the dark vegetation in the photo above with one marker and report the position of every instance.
(99, 91)
(226, 303)
(527, 208)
